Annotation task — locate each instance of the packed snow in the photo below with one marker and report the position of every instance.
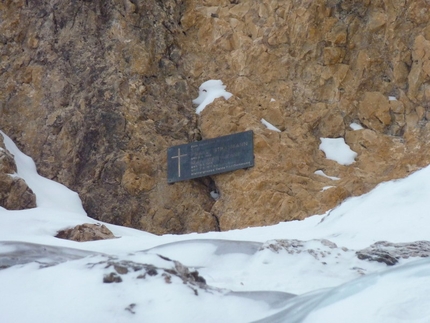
(269, 125)
(325, 188)
(208, 92)
(336, 149)
(321, 173)
(356, 126)
(299, 271)
(49, 194)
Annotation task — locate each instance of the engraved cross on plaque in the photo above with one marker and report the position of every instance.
(210, 157)
(179, 160)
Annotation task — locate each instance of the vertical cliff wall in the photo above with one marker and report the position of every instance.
(95, 92)
(312, 68)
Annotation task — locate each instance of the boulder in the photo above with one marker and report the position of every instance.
(15, 194)
(86, 232)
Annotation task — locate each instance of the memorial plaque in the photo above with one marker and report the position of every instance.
(211, 156)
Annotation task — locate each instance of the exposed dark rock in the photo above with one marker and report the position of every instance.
(379, 256)
(130, 308)
(320, 247)
(390, 253)
(112, 278)
(188, 277)
(15, 194)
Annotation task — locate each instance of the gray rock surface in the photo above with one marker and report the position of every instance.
(390, 253)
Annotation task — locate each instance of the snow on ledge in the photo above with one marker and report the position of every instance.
(269, 125)
(325, 188)
(208, 92)
(356, 126)
(336, 149)
(49, 194)
(321, 173)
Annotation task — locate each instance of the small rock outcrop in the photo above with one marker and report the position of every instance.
(86, 232)
(317, 248)
(390, 253)
(191, 278)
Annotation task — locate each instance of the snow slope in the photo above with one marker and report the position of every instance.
(249, 275)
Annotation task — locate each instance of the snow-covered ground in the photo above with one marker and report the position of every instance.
(300, 271)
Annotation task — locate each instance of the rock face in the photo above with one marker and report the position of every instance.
(93, 92)
(108, 86)
(326, 64)
(14, 192)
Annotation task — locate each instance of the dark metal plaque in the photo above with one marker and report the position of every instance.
(209, 157)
